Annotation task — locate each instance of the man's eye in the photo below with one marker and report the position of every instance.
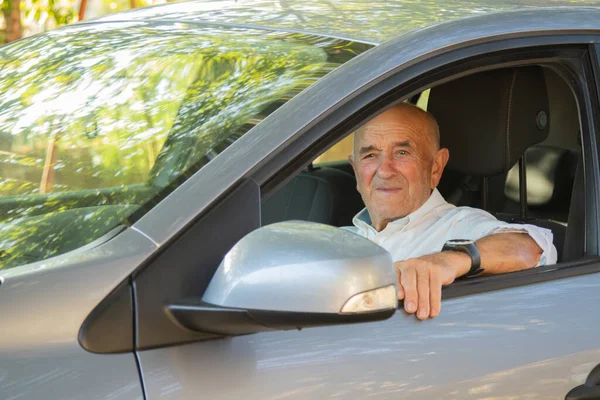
(368, 156)
(402, 152)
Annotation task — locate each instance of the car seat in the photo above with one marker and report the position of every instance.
(488, 120)
(319, 194)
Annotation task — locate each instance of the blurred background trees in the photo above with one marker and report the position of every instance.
(22, 18)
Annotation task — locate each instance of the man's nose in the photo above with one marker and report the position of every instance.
(386, 168)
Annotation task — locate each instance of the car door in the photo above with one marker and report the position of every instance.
(527, 334)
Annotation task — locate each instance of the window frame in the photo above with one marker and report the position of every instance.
(574, 63)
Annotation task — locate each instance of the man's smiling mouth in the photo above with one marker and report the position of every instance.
(389, 190)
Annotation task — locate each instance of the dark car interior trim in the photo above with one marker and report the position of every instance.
(590, 129)
(595, 54)
(109, 327)
(184, 269)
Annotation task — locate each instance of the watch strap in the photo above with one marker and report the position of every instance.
(468, 247)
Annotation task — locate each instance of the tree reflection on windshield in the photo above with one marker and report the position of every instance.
(97, 120)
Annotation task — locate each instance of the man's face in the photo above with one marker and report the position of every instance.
(396, 164)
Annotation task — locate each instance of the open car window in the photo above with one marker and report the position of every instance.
(326, 191)
(100, 122)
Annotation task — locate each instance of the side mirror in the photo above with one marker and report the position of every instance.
(291, 275)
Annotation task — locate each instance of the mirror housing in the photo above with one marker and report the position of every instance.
(292, 275)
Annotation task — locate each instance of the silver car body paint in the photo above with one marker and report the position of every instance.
(43, 306)
(300, 266)
(539, 342)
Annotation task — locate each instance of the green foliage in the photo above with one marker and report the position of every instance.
(39, 15)
(50, 13)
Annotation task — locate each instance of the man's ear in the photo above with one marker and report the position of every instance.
(351, 159)
(439, 163)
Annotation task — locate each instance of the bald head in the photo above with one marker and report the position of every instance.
(398, 116)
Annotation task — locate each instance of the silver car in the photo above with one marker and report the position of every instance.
(172, 180)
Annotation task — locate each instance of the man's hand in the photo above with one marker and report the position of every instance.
(420, 280)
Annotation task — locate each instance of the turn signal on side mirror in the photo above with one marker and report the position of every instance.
(384, 298)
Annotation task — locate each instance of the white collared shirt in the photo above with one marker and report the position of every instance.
(427, 229)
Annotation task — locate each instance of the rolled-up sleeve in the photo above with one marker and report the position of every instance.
(484, 224)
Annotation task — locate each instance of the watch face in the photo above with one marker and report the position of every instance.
(460, 242)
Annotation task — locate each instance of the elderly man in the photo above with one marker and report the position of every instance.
(398, 164)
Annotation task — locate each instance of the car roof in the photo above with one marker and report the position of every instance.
(372, 21)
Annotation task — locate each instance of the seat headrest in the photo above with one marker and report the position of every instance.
(550, 175)
(488, 120)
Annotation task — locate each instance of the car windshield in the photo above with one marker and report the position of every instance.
(100, 122)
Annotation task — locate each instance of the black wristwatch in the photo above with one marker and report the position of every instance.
(469, 247)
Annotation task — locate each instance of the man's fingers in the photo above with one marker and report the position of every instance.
(420, 285)
(408, 281)
(423, 293)
(435, 294)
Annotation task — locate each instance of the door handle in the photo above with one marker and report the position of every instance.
(590, 390)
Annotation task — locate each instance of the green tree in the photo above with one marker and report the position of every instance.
(11, 11)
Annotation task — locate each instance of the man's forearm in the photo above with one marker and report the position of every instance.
(500, 253)
(507, 252)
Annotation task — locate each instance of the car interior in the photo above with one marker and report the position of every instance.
(515, 151)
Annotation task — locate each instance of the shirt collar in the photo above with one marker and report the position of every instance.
(362, 220)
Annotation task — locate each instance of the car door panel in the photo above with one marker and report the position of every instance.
(68, 372)
(40, 350)
(538, 338)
